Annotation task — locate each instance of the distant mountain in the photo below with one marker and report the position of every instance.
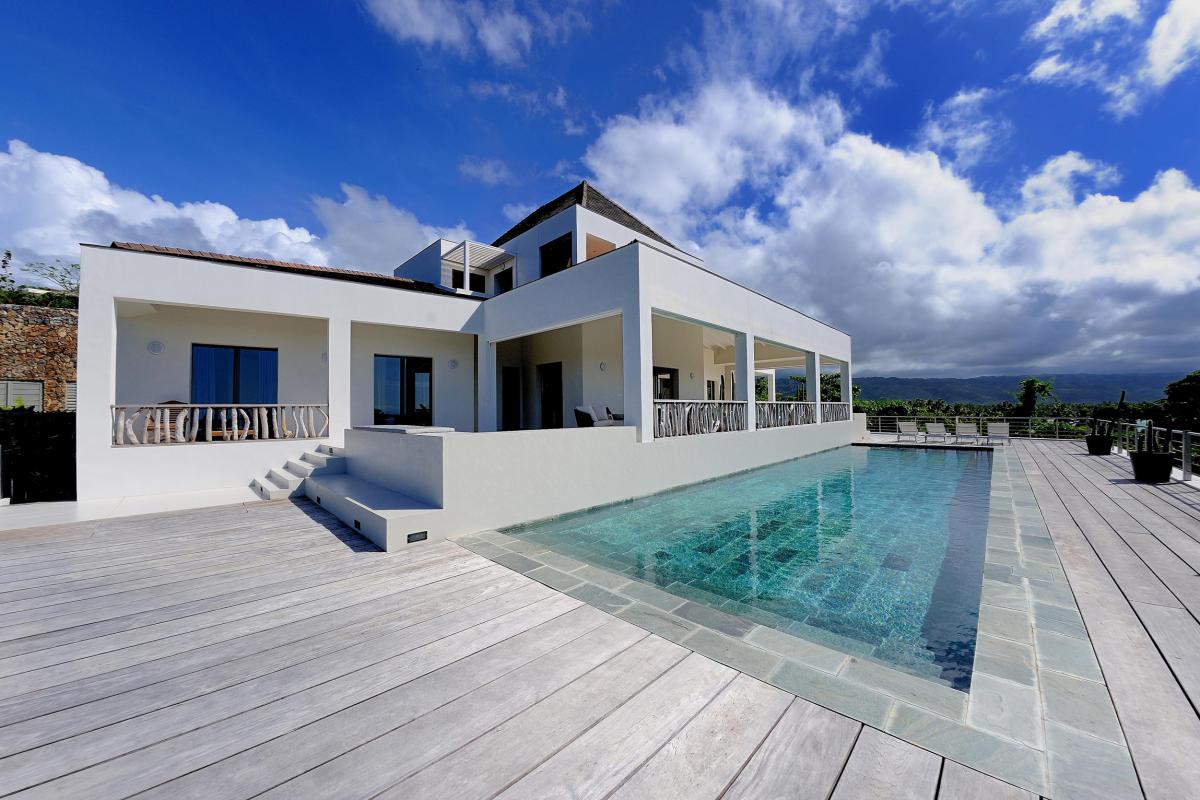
(1069, 388)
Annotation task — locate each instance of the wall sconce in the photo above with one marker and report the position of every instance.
(691, 376)
(325, 357)
(453, 363)
(603, 366)
(156, 348)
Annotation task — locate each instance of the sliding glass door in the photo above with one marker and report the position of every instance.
(403, 390)
(234, 375)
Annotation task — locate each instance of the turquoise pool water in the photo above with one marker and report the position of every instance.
(876, 551)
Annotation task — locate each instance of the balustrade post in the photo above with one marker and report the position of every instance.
(1186, 459)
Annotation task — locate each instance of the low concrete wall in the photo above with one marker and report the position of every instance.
(490, 480)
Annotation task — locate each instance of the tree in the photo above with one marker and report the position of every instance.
(1181, 401)
(64, 277)
(1032, 390)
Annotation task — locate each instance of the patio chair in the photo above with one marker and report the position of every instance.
(937, 429)
(587, 417)
(907, 429)
(966, 430)
(998, 431)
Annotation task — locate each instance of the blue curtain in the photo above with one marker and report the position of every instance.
(212, 374)
(223, 374)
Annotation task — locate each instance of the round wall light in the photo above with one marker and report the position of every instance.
(453, 363)
(156, 348)
(603, 366)
(691, 376)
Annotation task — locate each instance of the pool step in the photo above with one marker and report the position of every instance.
(288, 480)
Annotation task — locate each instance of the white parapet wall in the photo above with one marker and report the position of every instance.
(478, 481)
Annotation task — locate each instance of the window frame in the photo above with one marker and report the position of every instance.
(404, 387)
(237, 365)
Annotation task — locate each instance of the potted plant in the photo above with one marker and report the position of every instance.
(1151, 465)
(1100, 438)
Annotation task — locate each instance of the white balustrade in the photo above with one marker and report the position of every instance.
(690, 417)
(137, 424)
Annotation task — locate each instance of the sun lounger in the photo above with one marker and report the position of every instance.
(907, 429)
(998, 431)
(966, 430)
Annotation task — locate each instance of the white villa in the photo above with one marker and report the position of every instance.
(579, 359)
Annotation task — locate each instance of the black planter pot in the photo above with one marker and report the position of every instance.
(1152, 467)
(1099, 444)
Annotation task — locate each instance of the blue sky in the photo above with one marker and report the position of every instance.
(967, 187)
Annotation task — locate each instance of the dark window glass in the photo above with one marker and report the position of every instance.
(503, 282)
(666, 383)
(246, 375)
(556, 255)
(711, 389)
(478, 282)
(456, 279)
(403, 390)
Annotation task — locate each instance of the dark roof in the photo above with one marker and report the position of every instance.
(590, 198)
(354, 276)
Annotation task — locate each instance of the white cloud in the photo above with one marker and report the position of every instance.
(961, 130)
(1174, 44)
(503, 30)
(488, 171)
(869, 72)
(515, 212)
(50, 203)
(1099, 43)
(903, 251)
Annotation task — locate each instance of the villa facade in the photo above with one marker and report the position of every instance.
(579, 359)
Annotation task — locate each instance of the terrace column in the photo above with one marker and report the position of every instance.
(847, 395)
(771, 386)
(637, 357)
(485, 391)
(338, 353)
(812, 382)
(743, 365)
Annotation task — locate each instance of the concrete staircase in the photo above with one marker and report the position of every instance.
(288, 480)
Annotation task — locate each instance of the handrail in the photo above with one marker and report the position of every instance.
(181, 423)
(784, 413)
(691, 417)
(835, 411)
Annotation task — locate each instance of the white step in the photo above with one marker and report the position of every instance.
(281, 477)
(331, 449)
(385, 517)
(301, 469)
(269, 490)
(325, 462)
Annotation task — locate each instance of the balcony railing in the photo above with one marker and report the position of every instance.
(835, 412)
(182, 424)
(690, 417)
(782, 414)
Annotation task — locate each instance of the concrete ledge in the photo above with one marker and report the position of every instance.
(385, 517)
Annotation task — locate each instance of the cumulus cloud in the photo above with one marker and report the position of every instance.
(960, 129)
(503, 30)
(1174, 44)
(50, 203)
(900, 248)
(869, 72)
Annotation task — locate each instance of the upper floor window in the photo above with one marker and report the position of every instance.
(478, 283)
(556, 255)
(503, 281)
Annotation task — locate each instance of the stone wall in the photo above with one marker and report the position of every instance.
(39, 344)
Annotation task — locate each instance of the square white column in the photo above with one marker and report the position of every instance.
(743, 365)
(339, 353)
(637, 362)
(812, 382)
(771, 386)
(485, 399)
(847, 394)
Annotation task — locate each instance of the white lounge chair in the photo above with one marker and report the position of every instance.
(907, 429)
(937, 429)
(966, 430)
(998, 431)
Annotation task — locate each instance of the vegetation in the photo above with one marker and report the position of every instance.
(64, 277)
(1179, 409)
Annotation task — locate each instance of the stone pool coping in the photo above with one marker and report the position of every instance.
(1037, 694)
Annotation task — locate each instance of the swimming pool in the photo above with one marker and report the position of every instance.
(875, 551)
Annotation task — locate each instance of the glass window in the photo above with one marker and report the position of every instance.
(503, 282)
(478, 282)
(556, 255)
(224, 374)
(666, 383)
(456, 279)
(403, 390)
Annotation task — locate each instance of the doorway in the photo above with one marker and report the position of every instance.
(550, 394)
(510, 398)
(666, 383)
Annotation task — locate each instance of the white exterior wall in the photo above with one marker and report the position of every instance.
(602, 345)
(564, 346)
(587, 221)
(427, 264)
(680, 345)
(453, 388)
(109, 275)
(146, 378)
(525, 247)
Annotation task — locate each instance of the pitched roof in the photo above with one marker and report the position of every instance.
(336, 273)
(590, 198)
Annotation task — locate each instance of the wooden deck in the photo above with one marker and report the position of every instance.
(1131, 552)
(266, 650)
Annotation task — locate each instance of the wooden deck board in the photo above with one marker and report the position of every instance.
(265, 649)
